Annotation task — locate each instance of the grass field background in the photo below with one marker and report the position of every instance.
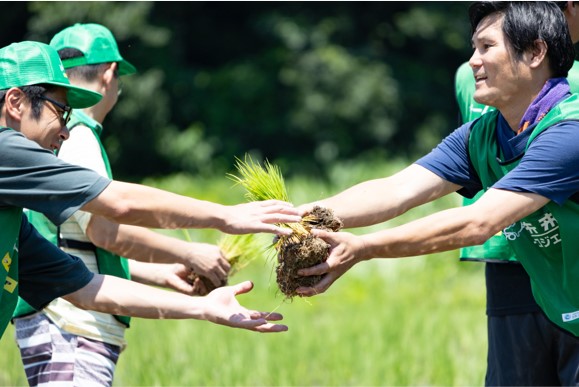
(414, 321)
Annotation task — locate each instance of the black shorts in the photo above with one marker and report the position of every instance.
(529, 350)
(524, 347)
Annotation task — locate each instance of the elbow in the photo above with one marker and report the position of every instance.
(481, 232)
(120, 212)
(102, 232)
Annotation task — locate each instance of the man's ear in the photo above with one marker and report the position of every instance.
(14, 104)
(571, 8)
(538, 53)
(109, 74)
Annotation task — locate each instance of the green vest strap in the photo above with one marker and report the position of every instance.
(10, 219)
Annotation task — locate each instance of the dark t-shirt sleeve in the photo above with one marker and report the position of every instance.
(450, 161)
(46, 272)
(550, 165)
(34, 178)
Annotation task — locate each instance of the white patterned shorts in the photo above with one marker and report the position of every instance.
(52, 356)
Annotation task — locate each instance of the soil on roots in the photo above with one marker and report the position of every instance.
(202, 285)
(301, 251)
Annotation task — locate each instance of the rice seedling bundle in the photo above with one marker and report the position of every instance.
(238, 250)
(300, 249)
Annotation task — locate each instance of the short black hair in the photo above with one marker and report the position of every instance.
(87, 72)
(34, 94)
(526, 22)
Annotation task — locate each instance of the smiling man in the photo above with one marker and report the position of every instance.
(513, 316)
(92, 60)
(35, 102)
(524, 156)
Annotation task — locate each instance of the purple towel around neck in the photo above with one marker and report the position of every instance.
(553, 91)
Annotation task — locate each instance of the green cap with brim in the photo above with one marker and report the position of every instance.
(97, 44)
(35, 63)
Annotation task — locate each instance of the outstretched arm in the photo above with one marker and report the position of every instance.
(376, 201)
(144, 245)
(150, 207)
(121, 297)
(443, 231)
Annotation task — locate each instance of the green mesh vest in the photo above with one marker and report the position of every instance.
(547, 241)
(10, 219)
(108, 263)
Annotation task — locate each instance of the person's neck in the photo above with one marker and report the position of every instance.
(514, 110)
(96, 113)
(513, 113)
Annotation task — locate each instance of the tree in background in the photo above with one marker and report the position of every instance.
(303, 84)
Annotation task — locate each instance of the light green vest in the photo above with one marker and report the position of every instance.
(547, 241)
(107, 262)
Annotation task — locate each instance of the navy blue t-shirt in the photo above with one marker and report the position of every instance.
(549, 167)
(32, 177)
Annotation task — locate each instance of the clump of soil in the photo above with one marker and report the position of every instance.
(302, 249)
(202, 285)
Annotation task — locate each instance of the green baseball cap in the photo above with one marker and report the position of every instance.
(33, 63)
(97, 44)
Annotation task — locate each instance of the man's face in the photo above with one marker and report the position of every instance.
(498, 75)
(49, 130)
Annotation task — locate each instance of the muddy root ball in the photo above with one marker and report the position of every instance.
(308, 251)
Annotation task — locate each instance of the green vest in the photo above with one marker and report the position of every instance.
(496, 249)
(546, 242)
(10, 219)
(107, 262)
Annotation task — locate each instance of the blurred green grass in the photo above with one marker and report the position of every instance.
(415, 321)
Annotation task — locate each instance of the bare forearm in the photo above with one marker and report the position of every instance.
(136, 243)
(454, 228)
(376, 201)
(150, 207)
(116, 296)
(443, 231)
(145, 273)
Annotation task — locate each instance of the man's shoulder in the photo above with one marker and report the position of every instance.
(573, 77)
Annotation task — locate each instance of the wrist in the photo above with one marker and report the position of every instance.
(368, 249)
(217, 217)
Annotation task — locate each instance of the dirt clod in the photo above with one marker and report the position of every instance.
(304, 250)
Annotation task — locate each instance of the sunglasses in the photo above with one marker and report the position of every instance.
(66, 110)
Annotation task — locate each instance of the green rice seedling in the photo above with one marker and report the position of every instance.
(300, 249)
(260, 183)
(238, 250)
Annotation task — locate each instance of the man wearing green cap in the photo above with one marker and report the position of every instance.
(92, 60)
(36, 99)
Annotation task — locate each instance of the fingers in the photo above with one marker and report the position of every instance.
(319, 269)
(328, 237)
(224, 265)
(269, 316)
(276, 206)
(182, 286)
(278, 217)
(242, 288)
(199, 287)
(218, 275)
(318, 288)
(271, 328)
(259, 322)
